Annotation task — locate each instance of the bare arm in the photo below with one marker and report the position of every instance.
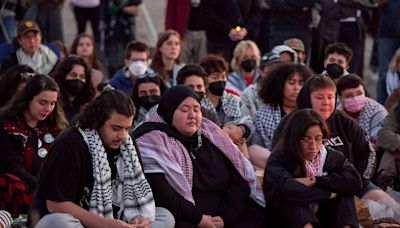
(133, 10)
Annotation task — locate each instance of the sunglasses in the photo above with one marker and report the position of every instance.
(26, 75)
(148, 73)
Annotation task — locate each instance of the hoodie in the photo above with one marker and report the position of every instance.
(346, 135)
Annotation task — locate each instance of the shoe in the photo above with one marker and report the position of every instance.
(385, 178)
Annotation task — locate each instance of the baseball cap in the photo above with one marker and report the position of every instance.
(269, 58)
(283, 48)
(295, 44)
(27, 26)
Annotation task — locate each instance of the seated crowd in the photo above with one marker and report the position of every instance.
(164, 144)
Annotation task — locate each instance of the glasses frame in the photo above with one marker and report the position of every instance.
(317, 141)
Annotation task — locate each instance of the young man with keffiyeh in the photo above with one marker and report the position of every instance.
(94, 177)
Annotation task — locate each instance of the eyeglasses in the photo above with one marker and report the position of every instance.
(148, 73)
(318, 140)
(26, 75)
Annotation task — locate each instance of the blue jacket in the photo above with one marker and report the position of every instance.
(120, 82)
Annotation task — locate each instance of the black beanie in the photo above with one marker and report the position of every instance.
(171, 100)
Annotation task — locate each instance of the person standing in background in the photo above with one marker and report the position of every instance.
(228, 22)
(87, 10)
(117, 29)
(49, 19)
(388, 41)
(166, 61)
(290, 19)
(186, 17)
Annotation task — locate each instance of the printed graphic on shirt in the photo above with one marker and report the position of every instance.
(84, 202)
(335, 141)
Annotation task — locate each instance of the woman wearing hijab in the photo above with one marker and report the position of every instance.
(194, 169)
(307, 183)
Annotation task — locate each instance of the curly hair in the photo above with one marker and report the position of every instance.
(341, 49)
(10, 80)
(272, 86)
(98, 111)
(60, 76)
(157, 64)
(33, 87)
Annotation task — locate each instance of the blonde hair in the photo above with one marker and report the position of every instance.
(240, 49)
(393, 65)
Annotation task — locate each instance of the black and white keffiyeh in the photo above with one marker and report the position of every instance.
(230, 105)
(266, 120)
(137, 197)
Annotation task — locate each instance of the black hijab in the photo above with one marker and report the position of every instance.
(171, 100)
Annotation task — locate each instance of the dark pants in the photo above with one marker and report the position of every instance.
(82, 15)
(254, 217)
(49, 21)
(223, 49)
(355, 39)
(336, 212)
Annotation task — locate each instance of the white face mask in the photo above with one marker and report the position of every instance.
(137, 68)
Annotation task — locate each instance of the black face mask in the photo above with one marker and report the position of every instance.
(217, 88)
(74, 86)
(149, 101)
(248, 65)
(334, 70)
(200, 94)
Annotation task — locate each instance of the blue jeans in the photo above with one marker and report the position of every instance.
(386, 49)
(9, 25)
(368, 187)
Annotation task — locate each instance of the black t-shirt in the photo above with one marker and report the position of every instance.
(67, 174)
